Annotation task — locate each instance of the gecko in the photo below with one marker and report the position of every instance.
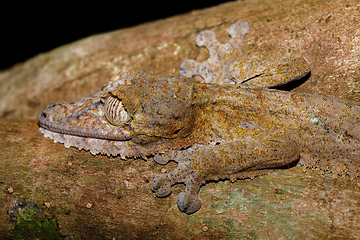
(235, 124)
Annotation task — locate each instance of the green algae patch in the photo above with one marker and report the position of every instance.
(30, 224)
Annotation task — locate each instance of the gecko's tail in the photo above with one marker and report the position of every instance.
(333, 148)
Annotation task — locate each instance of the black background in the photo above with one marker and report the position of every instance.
(31, 27)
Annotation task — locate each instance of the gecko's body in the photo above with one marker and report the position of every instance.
(213, 131)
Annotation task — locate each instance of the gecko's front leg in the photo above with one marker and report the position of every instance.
(245, 158)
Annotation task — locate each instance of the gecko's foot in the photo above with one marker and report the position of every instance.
(227, 64)
(215, 68)
(161, 185)
(188, 203)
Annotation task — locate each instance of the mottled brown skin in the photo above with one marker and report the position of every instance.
(212, 131)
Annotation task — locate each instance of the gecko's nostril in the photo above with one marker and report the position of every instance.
(43, 114)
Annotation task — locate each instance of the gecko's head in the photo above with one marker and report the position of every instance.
(83, 118)
(141, 111)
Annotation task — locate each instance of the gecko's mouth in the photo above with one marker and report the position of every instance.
(60, 129)
(89, 122)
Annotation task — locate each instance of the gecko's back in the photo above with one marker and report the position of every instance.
(327, 130)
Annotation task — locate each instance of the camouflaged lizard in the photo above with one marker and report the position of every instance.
(234, 125)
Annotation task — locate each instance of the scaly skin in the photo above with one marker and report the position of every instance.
(212, 131)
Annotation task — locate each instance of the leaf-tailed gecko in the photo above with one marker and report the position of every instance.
(234, 125)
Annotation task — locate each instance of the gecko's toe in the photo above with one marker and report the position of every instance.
(188, 203)
(189, 68)
(161, 186)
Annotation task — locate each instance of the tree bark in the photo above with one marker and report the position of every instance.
(96, 197)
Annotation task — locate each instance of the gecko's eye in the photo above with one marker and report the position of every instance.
(115, 111)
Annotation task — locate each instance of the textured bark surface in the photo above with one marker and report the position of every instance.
(95, 197)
